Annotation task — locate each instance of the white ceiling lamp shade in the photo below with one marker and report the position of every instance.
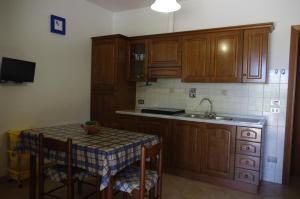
(165, 6)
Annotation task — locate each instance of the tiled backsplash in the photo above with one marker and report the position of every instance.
(240, 99)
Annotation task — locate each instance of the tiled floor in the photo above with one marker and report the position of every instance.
(181, 188)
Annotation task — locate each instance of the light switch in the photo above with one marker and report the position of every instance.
(275, 102)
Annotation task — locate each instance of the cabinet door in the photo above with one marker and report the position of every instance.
(186, 152)
(218, 147)
(255, 55)
(129, 123)
(158, 127)
(104, 56)
(103, 109)
(138, 59)
(226, 61)
(196, 58)
(165, 52)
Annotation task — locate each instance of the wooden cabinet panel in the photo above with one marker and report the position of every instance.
(249, 134)
(186, 151)
(165, 51)
(103, 109)
(104, 56)
(159, 127)
(248, 148)
(247, 176)
(255, 55)
(247, 162)
(218, 147)
(226, 61)
(164, 72)
(129, 123)
(138, 68)
(196, 58)
(110, 90)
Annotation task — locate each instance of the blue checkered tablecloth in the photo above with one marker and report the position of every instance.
(105, 153)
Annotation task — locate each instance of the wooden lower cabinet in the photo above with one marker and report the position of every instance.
(160, 127)
(203, 148)
(204, 151)
(218, 148)
(103, 108)
(155, 126)
(129, 123)
(186, 146)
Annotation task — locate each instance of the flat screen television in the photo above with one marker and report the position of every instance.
(16, 70)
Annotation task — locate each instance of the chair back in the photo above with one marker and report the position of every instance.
(154, 153)
(59, 146)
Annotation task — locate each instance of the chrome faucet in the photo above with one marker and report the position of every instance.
(210, 113)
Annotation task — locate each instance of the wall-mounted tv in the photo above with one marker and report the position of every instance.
(16, 70)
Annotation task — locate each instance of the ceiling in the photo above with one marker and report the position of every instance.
(122, 5)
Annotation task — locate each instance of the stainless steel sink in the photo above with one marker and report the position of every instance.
(200, 116)
(247, 120)
(219, 117)
(191, 115)
(222, 118)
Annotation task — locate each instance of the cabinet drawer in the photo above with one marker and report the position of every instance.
(247, 162)
(164, 72)
(247, 176)
(248, 148)
(249, 134)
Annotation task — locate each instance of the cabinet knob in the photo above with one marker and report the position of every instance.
(244, 75)
(248, 134)
(246, 176)
(247, 148)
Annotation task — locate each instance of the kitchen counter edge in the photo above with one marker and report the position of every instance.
(176, 117)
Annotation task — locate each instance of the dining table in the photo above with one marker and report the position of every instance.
(104, 153)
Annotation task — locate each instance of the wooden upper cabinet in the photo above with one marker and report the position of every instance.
(227, 54)
(255, 55)
(138, 68)
(165, 52)
(104, 54)
(218, 148)
(196, 56)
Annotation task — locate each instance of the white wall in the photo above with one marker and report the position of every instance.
(61, 90)
(199, 14)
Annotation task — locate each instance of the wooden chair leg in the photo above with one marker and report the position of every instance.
(79, 187)
(152, 193)
(98, 193)
(32, 189)
(125, 195)
(70, 190)
(110, 189)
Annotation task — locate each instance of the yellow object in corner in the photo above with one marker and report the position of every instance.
(18, 162)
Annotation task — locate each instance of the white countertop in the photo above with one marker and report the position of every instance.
(259, 124)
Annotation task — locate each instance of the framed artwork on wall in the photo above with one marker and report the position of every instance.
(57, 25)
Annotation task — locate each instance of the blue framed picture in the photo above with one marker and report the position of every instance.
(58, 25)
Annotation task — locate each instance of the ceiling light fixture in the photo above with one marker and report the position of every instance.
(165, 6)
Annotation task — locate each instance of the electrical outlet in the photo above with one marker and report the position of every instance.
(141, 101)
(275, 110)
(275, 102)
(272, 159)
(192, 92)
